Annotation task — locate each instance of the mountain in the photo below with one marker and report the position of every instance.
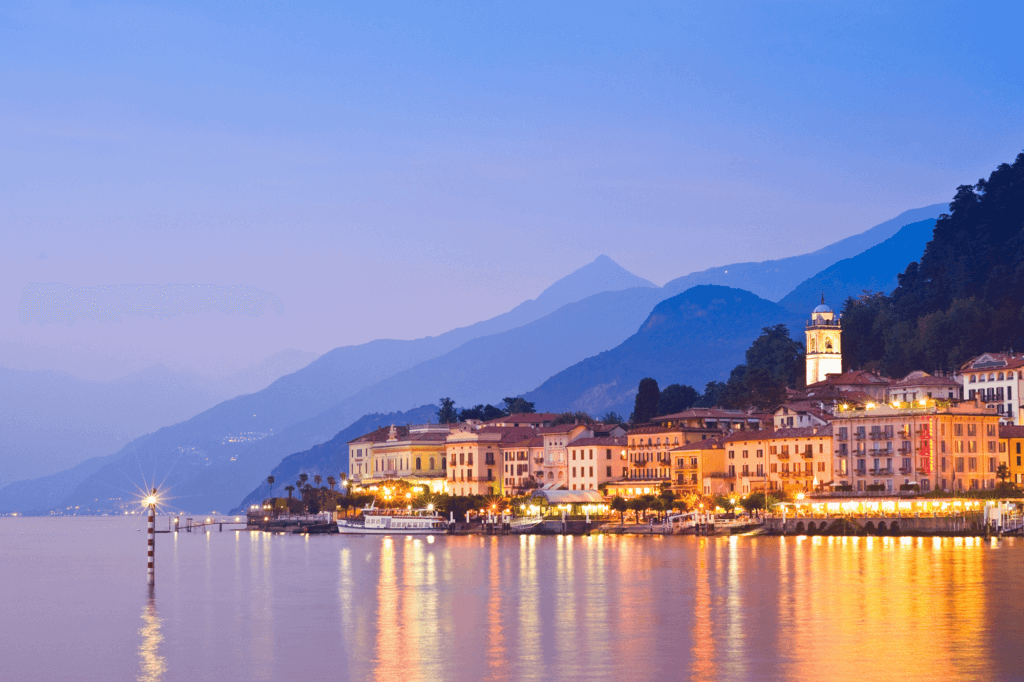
(873, 270)
(773, 279)
(692, 338)
(260, 423)
(214, 474)
(50, 421)
(331, 458)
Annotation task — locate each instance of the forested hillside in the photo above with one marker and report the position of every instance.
(964, 297)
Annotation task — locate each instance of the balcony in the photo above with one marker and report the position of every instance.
(858, 436)
(784, 455)
(808, 455)
(906, 471)
(905, 451)
(881, 472)
(877, 435)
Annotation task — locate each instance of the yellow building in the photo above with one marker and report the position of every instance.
(1011, 442)
(414, 453)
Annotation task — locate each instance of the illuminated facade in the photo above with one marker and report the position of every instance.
(929, 444)
(824, 349)
(415, 453)
(995, 379)
(1011, 442)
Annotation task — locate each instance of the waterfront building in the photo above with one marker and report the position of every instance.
(918, 384)
(555, 464)
(787, 459)
(1011, 441)
(522, 461)
(929, 444)
(995, 379)
(415, 453)
(824, 349)
(693, 463)
(474, 457)
(595, 460)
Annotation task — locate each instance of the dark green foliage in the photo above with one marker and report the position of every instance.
(714, 392)
(446, 412)
(572, 418)
(774, 361)
(964, 297)
(518, 406)
(612, 417)
(481, 412)
(645, 407)
(676, 398)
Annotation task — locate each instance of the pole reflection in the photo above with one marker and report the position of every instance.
(152, 665)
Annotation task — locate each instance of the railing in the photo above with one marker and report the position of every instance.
(783, 456)
(858, 436)
(905, 451)
(808, 455)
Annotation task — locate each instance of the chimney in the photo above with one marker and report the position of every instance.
(977, 401)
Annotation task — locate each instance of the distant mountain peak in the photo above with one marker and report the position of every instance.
(601, 274)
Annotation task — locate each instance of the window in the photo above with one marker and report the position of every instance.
(773, 467)
(1000, 376)
(732, 454)
(760, 453)
(958, 429)
(746, 454)
(462, 458)
(972, 430)
(469, 459)
(991, 465)
(821, 466)
(608, 472)
(418, 467)
(974, 378)
(960, 464)
(591, 471)
(444, 462)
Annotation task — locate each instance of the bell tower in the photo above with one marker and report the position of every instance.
(824, 352)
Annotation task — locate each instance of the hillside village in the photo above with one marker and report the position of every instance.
(845, 433)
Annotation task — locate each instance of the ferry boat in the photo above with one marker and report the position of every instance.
(394, 522)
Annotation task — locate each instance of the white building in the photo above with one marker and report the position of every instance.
(995, 379)
(824, 351)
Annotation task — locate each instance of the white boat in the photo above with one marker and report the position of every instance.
(394, 522)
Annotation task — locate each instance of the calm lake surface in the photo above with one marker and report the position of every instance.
(251, 606)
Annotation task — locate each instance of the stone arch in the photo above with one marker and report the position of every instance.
(799, 526)
(881, 527)
(810, 527)
(894, 528)
(869, 527)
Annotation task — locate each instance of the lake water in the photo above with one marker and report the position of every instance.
(251, 606)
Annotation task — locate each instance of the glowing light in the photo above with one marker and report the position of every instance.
(870, 406)
(151, 500)
(923, 402)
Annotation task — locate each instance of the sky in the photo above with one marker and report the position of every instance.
(394, 170)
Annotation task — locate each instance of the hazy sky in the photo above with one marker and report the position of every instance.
(397, 170)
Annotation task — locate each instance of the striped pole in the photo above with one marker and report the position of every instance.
(150, 570)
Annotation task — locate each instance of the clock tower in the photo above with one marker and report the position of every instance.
(824, 352)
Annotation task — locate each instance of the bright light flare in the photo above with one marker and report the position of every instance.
(150, 501)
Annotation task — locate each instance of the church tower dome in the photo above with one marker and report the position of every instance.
(824, 349)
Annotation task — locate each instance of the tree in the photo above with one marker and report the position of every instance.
(331, 482)
(270, 480)
(518, 406)
(302, 480)
(645, 407)
(713, 393)
(612, 417)
(1003, 472)
(290, 489)
(676, 398)
(317, 480)
(482, 412)
(446, 413)
(572, 418)
(620, 505)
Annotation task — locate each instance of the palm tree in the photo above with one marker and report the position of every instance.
(331, 482)
(317, 480)
(302, 480)
(290, 489)
(270, 480)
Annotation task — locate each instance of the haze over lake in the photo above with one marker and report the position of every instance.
(253, 606)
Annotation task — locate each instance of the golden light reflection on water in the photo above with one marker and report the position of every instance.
(152, 665)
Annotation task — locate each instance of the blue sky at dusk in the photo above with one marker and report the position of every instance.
(396, 170)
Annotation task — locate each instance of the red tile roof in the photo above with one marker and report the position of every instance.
(1011, 431)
